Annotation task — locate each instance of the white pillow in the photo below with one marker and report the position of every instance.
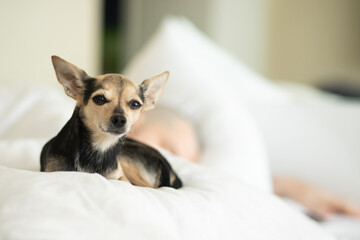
(316, 140)
(198, 89)
(29, 112)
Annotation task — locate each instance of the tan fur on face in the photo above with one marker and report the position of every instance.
(119, 91)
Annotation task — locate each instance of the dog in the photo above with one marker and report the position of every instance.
(94, 139)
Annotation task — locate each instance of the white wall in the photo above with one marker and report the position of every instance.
(240, 26)
(144, 17)
(303, 40)
(311, 41)
(32, 31)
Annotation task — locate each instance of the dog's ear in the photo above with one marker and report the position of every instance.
(70, 76)
(152, 89)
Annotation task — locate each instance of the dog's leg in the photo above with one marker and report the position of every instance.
(135, 174)
(124, 178)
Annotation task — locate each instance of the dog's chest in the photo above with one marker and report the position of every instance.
(95, 161)
(111, 172)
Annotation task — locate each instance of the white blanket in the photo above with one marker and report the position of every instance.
(308, 135)
(72, 205)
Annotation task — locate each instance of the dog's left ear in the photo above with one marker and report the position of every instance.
(152, 89)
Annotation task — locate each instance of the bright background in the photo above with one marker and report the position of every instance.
(315, 42)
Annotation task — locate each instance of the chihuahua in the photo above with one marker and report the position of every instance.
(94, 139)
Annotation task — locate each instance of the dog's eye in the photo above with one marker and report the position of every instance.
(99, 100)
(134, 104)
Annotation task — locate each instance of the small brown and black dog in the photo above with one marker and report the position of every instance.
(94, 140)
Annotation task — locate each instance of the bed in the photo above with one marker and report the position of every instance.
(73, 205)
(228, 196)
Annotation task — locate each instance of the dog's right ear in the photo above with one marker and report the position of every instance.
(70, 76)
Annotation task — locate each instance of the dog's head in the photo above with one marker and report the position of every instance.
(109, 104)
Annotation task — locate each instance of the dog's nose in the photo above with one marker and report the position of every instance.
(118, 120)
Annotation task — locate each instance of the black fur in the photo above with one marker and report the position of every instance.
(73, 146)
(71, 150)
(141, 93)
(92, 160)
(89, 88)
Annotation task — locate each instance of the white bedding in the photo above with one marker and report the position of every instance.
(212, 204)
(307, 135)
(71, 205)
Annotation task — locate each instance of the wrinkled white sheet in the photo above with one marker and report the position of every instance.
(73, 205)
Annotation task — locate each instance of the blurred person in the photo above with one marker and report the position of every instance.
(165, 128)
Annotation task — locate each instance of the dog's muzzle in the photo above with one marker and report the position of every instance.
(117, 124)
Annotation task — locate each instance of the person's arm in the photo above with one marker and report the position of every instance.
(318, 202)
(165, 129)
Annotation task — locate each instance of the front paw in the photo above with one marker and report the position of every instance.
(124, 178)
